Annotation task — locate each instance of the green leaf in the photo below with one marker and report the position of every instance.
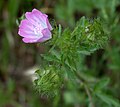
(101, 84)
(56, 54)
(108, 99)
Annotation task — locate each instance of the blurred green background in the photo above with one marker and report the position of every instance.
(16, 57)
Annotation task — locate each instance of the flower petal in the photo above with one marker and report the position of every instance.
(49, 25)
(26, 34)
(46, 35)
(35, 10)
(25, 24)
(37, 18)
(29, 40)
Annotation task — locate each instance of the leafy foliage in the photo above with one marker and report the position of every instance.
(48, 81)
(66, 49)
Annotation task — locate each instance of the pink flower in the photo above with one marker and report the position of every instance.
(35, 28)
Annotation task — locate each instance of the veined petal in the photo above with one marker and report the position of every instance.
(46, 35)
(27, 34)
(30, 40)
(26, 25)
(37, 18)
(35, 10)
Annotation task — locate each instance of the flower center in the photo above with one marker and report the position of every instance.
(37, 31)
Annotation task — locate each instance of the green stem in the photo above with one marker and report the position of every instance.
(86, 88)
(89, 95)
